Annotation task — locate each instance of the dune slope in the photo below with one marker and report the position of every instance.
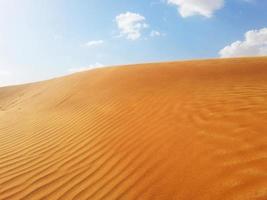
(179, 130)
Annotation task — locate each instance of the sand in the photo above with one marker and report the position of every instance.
(178, 130)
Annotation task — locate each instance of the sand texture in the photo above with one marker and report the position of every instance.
(167, 131)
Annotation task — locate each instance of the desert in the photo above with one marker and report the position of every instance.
(173, 130)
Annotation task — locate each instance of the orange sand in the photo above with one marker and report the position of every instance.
(179, 130)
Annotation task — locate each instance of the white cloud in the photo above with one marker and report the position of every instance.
(94, 43)
(5, 77)
(189, 8)
(254, 44)
(131, 25)
(154, 33)
(58, 37)
(4, 73)
(81, 69)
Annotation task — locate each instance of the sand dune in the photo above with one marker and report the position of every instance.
(179, 130)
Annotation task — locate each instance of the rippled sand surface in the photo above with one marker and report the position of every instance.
(167, 131)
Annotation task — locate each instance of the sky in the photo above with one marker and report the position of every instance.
(41, 39)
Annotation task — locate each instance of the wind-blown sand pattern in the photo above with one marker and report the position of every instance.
(179, 130)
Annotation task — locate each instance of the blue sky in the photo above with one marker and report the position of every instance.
(42, 39)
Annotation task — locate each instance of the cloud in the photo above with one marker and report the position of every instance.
(58, 37)
(4, 73)
(154, 33)
(81, 69)
(188, 8)
(5, 77)
(131, 25)
(254, 44)
(94, 43)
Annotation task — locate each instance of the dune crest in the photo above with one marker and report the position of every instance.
(178, 130)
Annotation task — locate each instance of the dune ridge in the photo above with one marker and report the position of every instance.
(177, 130)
